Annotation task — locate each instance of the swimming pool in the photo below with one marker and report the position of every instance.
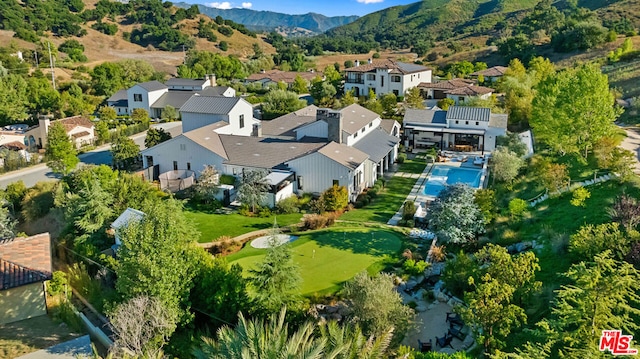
(442, 175)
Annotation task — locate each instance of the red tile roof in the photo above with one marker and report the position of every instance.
(495, 71)
(446, 85)
(15, 146)
(284, 76)
(394, 66)
(80, 134)
(70, 123)
(25, 260)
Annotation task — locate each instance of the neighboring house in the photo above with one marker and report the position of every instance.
(273, 77)
(145, 94)
(383, 77)
(180, 84)
(491, 74)
(79, 128)
(119, 102)
(307, 150)
(25, 263)
(13, 133)
(460, 128)
(235, 112)
(124, 219)
(459, 90)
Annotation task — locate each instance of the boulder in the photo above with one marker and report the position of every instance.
(410, 284)
(419, 279)
(421, 307)
(438, 286)
(335, 316)
(523, 246)
(330, 309)
(441, 297)
(467, 342)
(420, 294)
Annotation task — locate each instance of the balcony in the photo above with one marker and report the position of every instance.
(355, 81)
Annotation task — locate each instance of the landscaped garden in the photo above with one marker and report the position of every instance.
(328, 258)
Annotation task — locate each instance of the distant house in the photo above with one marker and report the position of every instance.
(119, 102)
(459, 90)
(79, 128)
(25, 263)
(460, 128)
(492, 74)
(383, 77)
(273, 77)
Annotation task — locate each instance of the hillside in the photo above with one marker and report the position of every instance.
(269, 20)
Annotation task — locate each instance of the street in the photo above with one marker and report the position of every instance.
(100, 156)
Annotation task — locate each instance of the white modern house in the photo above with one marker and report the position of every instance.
(306, 151)
(460, 128)
(144, 94)
(199, 111)
(387, 76)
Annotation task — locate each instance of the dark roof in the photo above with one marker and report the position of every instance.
(208, 138)
(176, 99)
(118, 96)
(153, 86)
(413, 115)
(349, 157)
(376, 144)
(214, 91)
(395, 67)
(470, 91)
(210, 105)
(495, 71)
(284, 125)
(262, 152)
(468, 113)
(176, 81)
(446, 85)
(388, 125)
(25, 260)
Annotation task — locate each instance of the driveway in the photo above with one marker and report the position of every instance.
(100, 156)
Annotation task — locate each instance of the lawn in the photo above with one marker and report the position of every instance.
(383, 207)
(328, 258)
(26, 336)
(212, 226)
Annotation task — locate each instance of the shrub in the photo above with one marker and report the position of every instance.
(413, 267)
(244, 210)
(580, 195)
(317, 221)
(264, 212)
(408, 210)
(57, 283)
(335, 198)
(38, 200)
(288, 205)
(401, 158)
(227, 179)
(438, 253)
(517, 208)
(634, 255)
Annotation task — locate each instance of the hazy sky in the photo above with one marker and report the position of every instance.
(324, 7)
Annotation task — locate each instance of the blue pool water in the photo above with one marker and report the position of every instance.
(442, 175)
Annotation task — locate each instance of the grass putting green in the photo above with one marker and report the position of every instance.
(328, 258)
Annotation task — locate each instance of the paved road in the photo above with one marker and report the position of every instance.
(102, 155)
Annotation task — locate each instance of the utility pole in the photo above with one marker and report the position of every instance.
(35, 53)
(53, 75)
(184, 56)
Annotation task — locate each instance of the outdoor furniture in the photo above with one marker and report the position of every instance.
(454, 318)
(478, 160)
(445, 341)
(456, 331)
(425, 346)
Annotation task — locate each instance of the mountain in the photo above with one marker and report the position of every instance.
(269, 20)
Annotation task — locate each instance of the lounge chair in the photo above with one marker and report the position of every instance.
(456, 331)
(445, 341)
(454, 318)
(425, 346)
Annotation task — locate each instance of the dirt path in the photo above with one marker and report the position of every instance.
(632, 143)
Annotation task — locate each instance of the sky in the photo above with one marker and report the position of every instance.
(324, 7)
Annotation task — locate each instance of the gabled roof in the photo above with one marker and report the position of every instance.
(175, 99)
(267, 153)
(210, 105)
(470, 91)
(177, 81)
(126, 217)
(495, 71)
(377, 144)
(81, 134)
(118, 96)
(14, 146)
(214, 91)
(284, 125)
(446, 85)
(499, 120)
(25, 260)
(395, 67)
(70, 123)
(284, 76)
(468, 113)
(349, 157)
(388, 125)
(412, 115)
(153, 86)
(355, 117)
(208, 138)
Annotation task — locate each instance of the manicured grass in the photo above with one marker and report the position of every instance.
(212, 226)
(327, 258)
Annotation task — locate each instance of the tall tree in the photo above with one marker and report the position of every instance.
(280, 102)
(414, 99)
(322, 92)
(102, 131)
(208, 183)
(505, 165)
(170, 113)
(156, 136)
(455, 216)
(107, 113)
(61, 153)
(573, 110)
(253, 189)
(124, 152)
(300, 85)
(7, 224)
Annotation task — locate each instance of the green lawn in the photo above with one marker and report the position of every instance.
(383, 207)
(328, 258)
(212, 226)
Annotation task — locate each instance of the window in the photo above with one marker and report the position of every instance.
(395, 92)
(395, 78)
(183, 147)
(370, 124)
(299, 182)
(175, 165)
(381, 80)
(460, 98)
(241, 121)
(336, 182)
(477, 123)
(457, 122)
(188, 166)
(371, 77)
(137, 97)
(355, 135)
(466, 122)
(362, 130)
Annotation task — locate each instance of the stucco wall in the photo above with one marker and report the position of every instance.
(21, 303)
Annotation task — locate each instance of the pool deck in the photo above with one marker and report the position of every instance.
(416, 194)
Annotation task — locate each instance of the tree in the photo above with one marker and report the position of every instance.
(517, 208)
(124, 152)
(505, 165)
(142, 325)
(322, 92)
(276, 277)
(554, 176)
(348, 98)
(7, 224)
(455, 217)
(625, 211)
(156, 258)
(389, 104)
(13, 102)
(591, 240)
(156, 136)
(107, 113)
(602, 294)
(373, 104)
(512, 142)
(377, 307)
(60, 152)
(335, 198)
(414, 99)
(445, 103)
(573, 110)
(14, 193)
(253, 189)
(300, 85)
(486, 200)
(519, 46)
(140, 115)
(279, 102)
(170, 113)
(208, 183)
(102, 131)
(91, 208)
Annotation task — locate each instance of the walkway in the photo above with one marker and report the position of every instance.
(416, 194)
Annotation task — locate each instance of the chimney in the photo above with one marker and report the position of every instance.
(370, 61)
(44, 121)
(212, 80)
(356, 63)
(257, 130)
(334, 123)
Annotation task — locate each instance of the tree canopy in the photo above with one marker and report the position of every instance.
(60, 151)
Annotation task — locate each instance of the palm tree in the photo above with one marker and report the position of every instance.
(348, 342)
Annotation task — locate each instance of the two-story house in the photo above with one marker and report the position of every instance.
(459, 90)
(383, 77)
